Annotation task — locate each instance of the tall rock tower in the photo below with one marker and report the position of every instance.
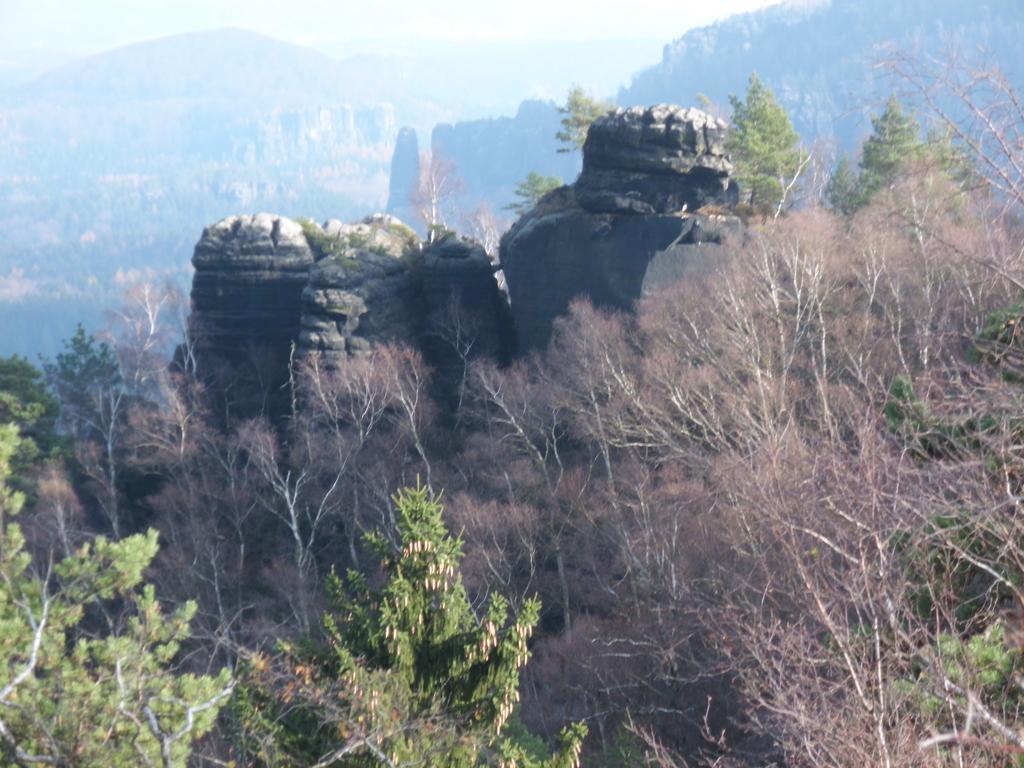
(405, 175)
(246, 305)
(650, 206)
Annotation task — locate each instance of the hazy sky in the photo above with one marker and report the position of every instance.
(84, 26)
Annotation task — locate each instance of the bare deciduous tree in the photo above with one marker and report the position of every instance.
(438, 185)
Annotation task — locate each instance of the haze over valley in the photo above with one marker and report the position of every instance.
(555, 384)
(113, 162)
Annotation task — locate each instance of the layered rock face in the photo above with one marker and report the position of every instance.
(381, 284)
(662, 159)
(645, 211)
(267, 288)
(364, 291)
(246, 299)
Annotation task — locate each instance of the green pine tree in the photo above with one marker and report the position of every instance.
(579, 111)
(764, 147)
(25, 402)
(74, 698)
(843, 189)
(410, 676)
(86, 379)
(531, 190)
(895, 150)
(894, 142)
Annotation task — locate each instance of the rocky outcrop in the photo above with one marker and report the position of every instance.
(379, 283)
(648, 209)
(250, 272)
(267, 288)
(363, 290)
(663, 159)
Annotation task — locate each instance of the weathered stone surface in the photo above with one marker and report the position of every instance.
(250, 273)
(620, 230)
(267, 287)
(380, 233)
(367, 291)
(552, 258)
(662, 159)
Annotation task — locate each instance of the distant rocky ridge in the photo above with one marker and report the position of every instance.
(818, 56)
(646, 210)
(405, 176)
(492, 156)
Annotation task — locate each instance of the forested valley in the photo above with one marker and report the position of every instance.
(770, 516)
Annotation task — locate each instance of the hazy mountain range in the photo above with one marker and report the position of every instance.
(819, 56)
(115, 162)
(112, 164)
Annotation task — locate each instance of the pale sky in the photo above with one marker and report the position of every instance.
(85, 26)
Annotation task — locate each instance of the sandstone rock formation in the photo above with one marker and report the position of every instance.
(646, 210)
(246, 298)
(381, 284)
(362, 289)
(656, 160)
(467, 314)
(268, 288)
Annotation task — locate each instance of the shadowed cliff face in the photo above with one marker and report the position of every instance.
(467, 315)
(630, 223)
(466, 309)
(250, 273)
(268, 290)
